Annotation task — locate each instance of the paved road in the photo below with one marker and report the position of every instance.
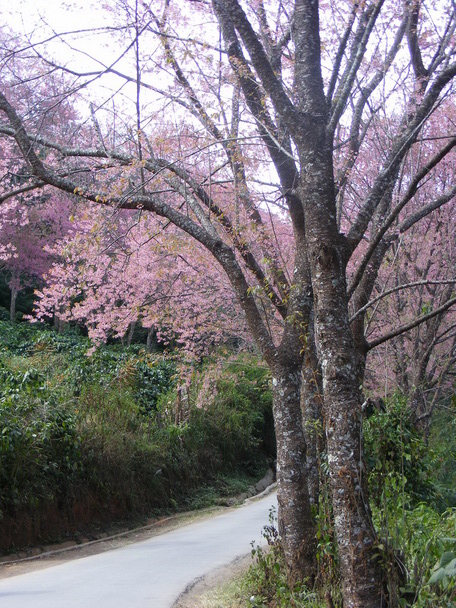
(147, 574)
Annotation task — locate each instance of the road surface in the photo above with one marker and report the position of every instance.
(148, 574)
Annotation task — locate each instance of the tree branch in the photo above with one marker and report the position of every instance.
(21, 190)
(230, 11)
(398, 288)
(411, 124)
(408, 326)
(367, 22)
(394, 214)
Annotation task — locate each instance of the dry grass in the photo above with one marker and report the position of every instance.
(223, 588)
(228, 595)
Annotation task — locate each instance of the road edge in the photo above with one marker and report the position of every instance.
(211, 580)
(37, 553)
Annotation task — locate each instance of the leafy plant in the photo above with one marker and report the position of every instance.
(86, 438)
(415, 537)
(397, 457)
(444, 571)
(266, 581)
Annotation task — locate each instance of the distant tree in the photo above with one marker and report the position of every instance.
(28, 230)
(116, 271)
(417, 283)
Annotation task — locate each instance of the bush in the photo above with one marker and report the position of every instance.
(39, 443)
(266, 582)
(85, 440)
(443, 444)
(232, 412)
(416, 539)
(397, 456)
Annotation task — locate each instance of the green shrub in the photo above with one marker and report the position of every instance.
(266, 582)
(417, 543)
(397, 456)
(442, 442)
(152, 379)
(232, 412)
(39, 443)
(98, 437)
(415, 538)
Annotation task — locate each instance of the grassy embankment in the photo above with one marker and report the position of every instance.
(89, 441)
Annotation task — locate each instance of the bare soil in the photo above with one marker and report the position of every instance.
(193, 596)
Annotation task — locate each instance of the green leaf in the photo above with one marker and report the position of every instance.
(446, 558)
(438, 576)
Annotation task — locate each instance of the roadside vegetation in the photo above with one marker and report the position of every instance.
(413, 500)
(90, 440)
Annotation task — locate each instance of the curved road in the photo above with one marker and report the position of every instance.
(148, 574)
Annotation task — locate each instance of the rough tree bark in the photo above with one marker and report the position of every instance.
(296, 525)
(328, 255)
(14, 294)
(14, 288)
(312, 417)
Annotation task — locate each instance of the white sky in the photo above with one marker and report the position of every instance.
(62, 15)
(40, 18)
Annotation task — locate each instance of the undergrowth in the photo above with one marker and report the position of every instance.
(414, 514)
(92, 439)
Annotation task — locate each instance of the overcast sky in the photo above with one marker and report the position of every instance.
(63, 15)
(40, 18)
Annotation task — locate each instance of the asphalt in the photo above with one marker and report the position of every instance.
(149, 574)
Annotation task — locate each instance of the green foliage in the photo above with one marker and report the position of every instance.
(151, 380)
(39, 443)
(417, 541)
(232, 412)
(397, 457)
(414, 544)
(266, 582)
(442, 442)
(216, 493)
(444, 571)
(17, 339)
(98, 437)
(414, 535)
(25, 299)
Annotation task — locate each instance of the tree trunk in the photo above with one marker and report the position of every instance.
(59, 324)
(182, 405)
(15, 287)
(151, 344)
(356, 538)
(296, 524)
(14, 294)
(340, 363)
(131, 331)
(311, 406)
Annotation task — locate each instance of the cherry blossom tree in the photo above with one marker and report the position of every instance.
(232, 109)
(30, 223)
(116, 271)
(28, 231)
(417, 281)
(414, 288)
